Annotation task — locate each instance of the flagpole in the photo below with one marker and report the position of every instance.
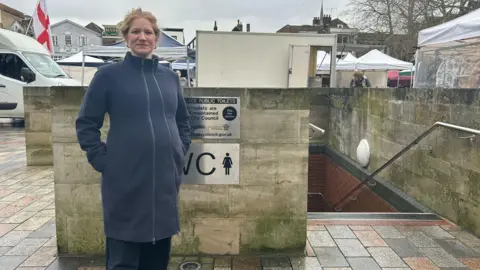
(31, 19)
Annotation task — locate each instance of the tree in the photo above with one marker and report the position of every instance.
(391, 18)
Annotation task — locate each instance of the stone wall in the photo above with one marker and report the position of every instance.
(38, 126)
(443, 172)
(265, 213)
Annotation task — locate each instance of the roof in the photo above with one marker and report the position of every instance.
(11, 10)
(301, 28)
(10, 40)
(73, 23)
(462, 28)
(338, 21)
(94, 27)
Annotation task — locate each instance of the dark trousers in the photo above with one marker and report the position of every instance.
(123, 255)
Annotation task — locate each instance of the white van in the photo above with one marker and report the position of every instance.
(25, 62)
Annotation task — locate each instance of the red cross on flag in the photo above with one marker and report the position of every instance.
(41, 26)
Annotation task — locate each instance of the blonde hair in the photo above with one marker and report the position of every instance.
(135, 14)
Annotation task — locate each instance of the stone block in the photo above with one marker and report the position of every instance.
(78, 200)
(38, 121)
(269, 234)
(39, 156)
(185, 243)
(259, 164)
(279, 99)
(203, 201)
(63, 127)
(292, 162)
(246, 201)
(67, 97)
(85, 236)
(217, 236)
(38, 139)
(273, 126)
(72, 166)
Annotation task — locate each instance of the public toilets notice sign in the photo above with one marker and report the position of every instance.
(214, 117)
(212, 163)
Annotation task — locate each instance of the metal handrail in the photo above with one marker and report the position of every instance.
(405, 149)
(315, 128)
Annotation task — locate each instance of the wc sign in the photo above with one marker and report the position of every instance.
(212, 163)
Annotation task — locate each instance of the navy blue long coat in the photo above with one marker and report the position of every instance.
(142, 159)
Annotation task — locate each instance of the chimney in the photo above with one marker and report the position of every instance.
(240, 26)
(215, 28)
(248, 27)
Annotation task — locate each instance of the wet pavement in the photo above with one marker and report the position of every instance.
(27, 233)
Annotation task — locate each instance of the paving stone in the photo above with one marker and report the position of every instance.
(246, 263)
(340, 231)
(330, 257)
(36, 206)
(441, 258)
(42, 257)
(309, 250)
(9, 211)
(223, 262)
(27, 247)
(421, 264)
(310, 263)
(370, 239)
(46, 213)
(320, 239)
(420, 239)
(360, 228)
(4, 250)
(316, 228)
(47, 230)
(19, 217)
(403, 248)
(363, 264)
(456, 248)
(30, 268)
(468, 239)
(5, 228)
(276, 262)
(13, 238)
(386, 257)
(32, 223)
(352, 248)
(11, 262)
(471, 263)
(388, 232)
(436, 232)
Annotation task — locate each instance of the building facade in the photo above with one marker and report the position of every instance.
(70, 38)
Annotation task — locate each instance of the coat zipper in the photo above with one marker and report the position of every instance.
(170, 135)
(154, 153)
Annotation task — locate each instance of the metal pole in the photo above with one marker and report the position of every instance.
(188, 72)
(83, 66)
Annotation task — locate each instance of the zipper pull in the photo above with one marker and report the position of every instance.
(153, 241)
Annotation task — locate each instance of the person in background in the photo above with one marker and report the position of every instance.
(183, 80)
(359, 80)
(141, 161)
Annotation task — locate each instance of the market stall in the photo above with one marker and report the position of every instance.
(449, 54)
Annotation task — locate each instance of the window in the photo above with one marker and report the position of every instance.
(82, 40)
(55, 40)
(44, 65)
(175, 37)
(11, 66)
(68, 38)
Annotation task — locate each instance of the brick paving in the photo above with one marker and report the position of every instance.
(27, 233)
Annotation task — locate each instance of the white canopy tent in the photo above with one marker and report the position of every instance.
(374, 60)
(448, 53)
(165, 53)
(325, 64)
(461, 29)
(79, 59)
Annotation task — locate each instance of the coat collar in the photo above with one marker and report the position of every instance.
(140, 63)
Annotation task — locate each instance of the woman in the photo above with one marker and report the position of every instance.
(142, 159)
(359, 80)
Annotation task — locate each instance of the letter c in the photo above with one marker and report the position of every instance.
(198, 163)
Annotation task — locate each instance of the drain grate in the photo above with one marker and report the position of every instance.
(190, 266)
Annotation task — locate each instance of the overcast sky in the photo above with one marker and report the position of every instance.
(263, 15)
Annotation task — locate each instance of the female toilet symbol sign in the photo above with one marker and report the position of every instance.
(227, 163)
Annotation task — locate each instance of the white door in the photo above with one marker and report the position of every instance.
(11, 85)
(298, 66)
